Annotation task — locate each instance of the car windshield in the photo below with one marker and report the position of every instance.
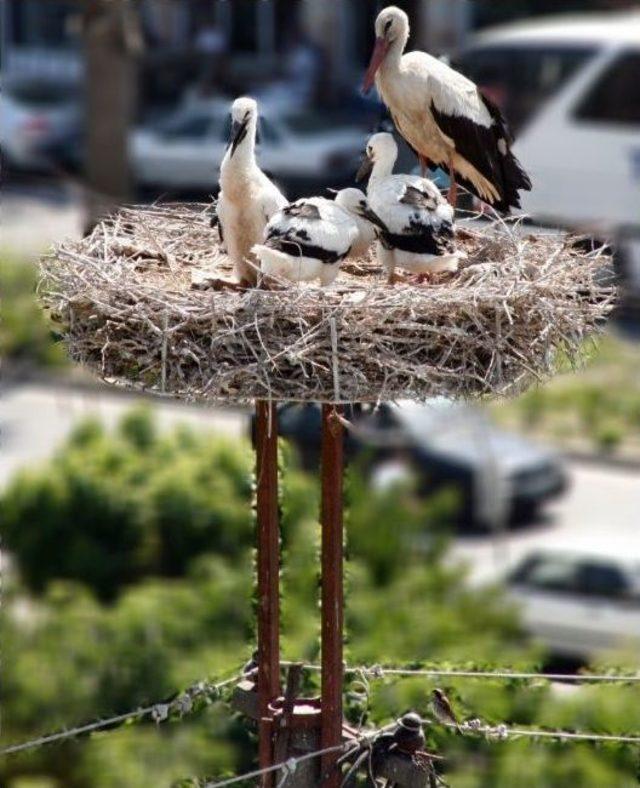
(188, 126)
(549, 573)
(42, 94)
(520, 78)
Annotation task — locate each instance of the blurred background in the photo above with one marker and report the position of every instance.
(504, 535)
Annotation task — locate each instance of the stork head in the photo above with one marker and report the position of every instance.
(381, 149)
(392, 27)
(352, 200)
(244, 116)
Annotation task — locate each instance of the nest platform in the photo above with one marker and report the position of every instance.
(134, 304)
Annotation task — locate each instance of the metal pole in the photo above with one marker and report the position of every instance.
(266, 441)
(332, 590)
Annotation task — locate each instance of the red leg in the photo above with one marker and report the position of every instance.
(424, 165)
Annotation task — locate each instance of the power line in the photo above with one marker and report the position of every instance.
(379, 672)
(289, 766)
(182, 704)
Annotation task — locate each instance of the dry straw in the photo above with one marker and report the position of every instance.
(133, 304)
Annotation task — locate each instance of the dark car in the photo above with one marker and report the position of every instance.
(498, 474)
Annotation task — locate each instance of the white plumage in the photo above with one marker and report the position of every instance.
(414, 221)
(308, 240)
(248, 199)
(354, 201)
(444, 116)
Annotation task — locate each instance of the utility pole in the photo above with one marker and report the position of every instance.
(112, 44)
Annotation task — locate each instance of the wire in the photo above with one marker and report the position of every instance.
(379, 672)
(289, 766)
(159, 712)
(503, 732)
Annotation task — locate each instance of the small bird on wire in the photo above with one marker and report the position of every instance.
(309, 238)
(414, 221)
(443, 709)
(444, 117)
(248, 199)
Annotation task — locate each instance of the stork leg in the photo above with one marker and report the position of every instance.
(424, 165)
(452, 196)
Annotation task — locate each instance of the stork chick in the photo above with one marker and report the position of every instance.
(414, 221)
(444, 117)
(248, 199)
(308, 240)
(354, 201)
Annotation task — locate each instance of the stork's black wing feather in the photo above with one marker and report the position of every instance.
(488, 149)
(296, 243)
(302, 210)
(414, 196)
(421, 238)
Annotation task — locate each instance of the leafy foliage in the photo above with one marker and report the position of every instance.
(25, 336)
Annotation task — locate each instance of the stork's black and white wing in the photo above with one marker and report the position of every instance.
(414, 215)
(477, 129)
(314, 227)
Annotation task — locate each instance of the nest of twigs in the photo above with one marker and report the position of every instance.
(133, 304)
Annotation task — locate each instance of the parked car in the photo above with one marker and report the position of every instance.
(578, 603)
(442, 444)
(570, 88)
(35, 111)
(184, 152)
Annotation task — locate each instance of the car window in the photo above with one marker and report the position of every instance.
(187, 127)
(603, 580)
(548, 573)
(267, 132)
(615, 98)
(42, 94)
(519, 79)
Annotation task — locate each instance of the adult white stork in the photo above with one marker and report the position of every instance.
(309, 238)
(444, 117)
(414, 221)
(248, 199)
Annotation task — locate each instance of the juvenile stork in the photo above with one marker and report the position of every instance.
(414, 222)
(248, 199)
(309, 238)
(444, 117)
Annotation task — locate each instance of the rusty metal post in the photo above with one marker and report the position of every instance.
(266, 443)
(332, 590)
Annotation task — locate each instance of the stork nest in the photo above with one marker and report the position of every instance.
(134, 303)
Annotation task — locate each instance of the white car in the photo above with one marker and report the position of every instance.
(185, 151)
(570, 86)
(34, 111)
(580, 604)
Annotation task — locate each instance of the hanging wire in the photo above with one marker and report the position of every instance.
(379, 672)
(159, 712)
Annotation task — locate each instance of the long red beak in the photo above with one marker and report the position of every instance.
(377, 56)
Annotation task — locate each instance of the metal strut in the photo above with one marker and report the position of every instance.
(266, 443)
(332, 462)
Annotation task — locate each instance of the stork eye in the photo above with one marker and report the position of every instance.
(387, 25)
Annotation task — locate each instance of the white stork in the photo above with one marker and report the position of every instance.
(444, 117)
(309, 238)
(248, 199)
(355, 202)
(414, 221)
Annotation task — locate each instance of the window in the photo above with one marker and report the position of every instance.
(615, 98)
(548, 573)
(519, 79)
(188, 127)
(602, 580)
